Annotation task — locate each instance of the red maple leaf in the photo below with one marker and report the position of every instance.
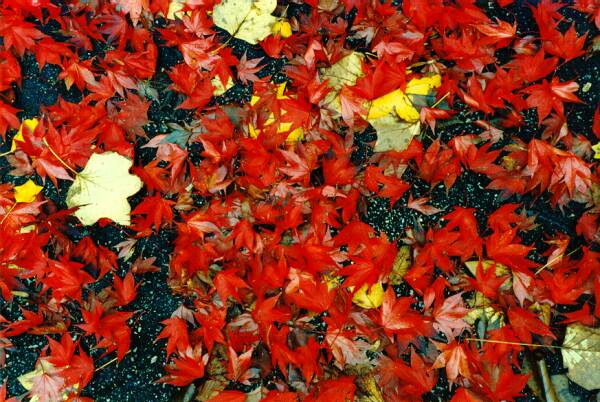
(8, 118)
(455, 357)
(550, 95)
(398, 318)
(566, 46)
(227, 283)
(185, 368)
(125, 289)
(176, 333)
(525, 322)
(18, 33)
(486, 280)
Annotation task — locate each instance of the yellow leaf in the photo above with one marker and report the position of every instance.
(283, 28)
(218, 87)
(423, 85)
(485, 265)
(295, 135)
(367, 297)
(394, 116)
(402, 101)
(596, 149)
(27, 192)
(31, 124)
(102, 188)
(396, 101)
(248, 20)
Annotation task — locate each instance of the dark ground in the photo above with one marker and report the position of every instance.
(133, 379)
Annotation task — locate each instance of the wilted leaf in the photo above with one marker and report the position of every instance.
(581, 355)
(246, 19)
(393, 133)
(480, 308)
(401, 264)
(101, 189)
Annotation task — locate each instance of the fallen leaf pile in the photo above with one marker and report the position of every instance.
(319, 201)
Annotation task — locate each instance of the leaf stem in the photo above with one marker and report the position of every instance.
(8, 212)
(533, 345)
(108, 363)
(547, 264)
(436, 104)
(58, 157)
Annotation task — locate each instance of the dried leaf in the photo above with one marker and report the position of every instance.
(393, 133)
(401, 264)
(581, 355)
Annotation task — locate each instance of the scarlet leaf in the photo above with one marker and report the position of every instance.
(176, 333)
(525, 322)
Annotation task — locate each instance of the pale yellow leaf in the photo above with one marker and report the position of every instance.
(393, 133)
(175, 8)
(102, 188)
(218, 87)
(248, 20)
(581, 355)
(343, 73)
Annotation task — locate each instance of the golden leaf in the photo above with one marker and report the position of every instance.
(395, 117)
(27, 192)
(367, 297)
